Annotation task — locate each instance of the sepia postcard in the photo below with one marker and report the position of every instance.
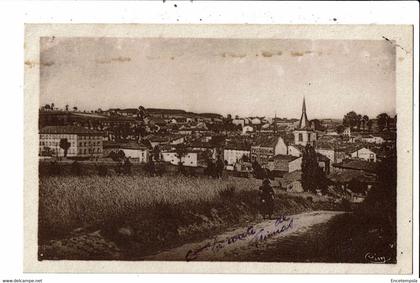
(218, 148)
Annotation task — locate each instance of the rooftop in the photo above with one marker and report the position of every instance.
(285, 157)
(357, 165)
(129, 145)
(69, 130)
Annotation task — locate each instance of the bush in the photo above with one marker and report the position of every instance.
(53, 169)
(102, 170)
(228, 192)
(76, 168)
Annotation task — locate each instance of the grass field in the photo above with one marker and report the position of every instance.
(145, 214)
(68, 202)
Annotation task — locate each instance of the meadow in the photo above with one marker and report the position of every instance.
(143, 214)
(69, 202)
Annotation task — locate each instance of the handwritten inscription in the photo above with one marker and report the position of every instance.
(251, 234)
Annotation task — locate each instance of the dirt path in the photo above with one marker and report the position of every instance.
(241, 241)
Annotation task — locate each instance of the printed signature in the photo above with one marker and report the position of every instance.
(252, 234)
(374, 258)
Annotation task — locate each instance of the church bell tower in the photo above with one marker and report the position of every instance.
(304, 134)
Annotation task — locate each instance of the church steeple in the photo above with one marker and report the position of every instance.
(304, 122)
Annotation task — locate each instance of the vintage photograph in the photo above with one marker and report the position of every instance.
(201, 149)
(217, 149)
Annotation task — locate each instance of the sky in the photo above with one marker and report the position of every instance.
(245, 77)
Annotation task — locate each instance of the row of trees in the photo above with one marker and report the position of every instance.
(363, 122)
(354, 120)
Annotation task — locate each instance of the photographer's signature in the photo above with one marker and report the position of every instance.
(376, 258)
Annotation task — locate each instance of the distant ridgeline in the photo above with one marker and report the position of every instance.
(54, 117)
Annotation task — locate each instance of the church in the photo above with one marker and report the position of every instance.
(304, 134)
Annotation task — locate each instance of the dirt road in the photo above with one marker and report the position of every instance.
(236, 244)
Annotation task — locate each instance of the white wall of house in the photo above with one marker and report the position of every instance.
(364, 154)
(52, 141)
(379, 140)
(233, 155)
(141, 154)
(247, 129)
(190, 159)
(347, 132)
(373, 139)
(294, 151)
(239, 122)
(255, 121)
(295, 165)
(280, 147)
(178, 140)
(329, 153)
(80, 145)
(303, 137)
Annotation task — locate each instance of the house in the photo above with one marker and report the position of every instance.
(295, 150)
(364, 154)
(325, 157)
(285, 163)
(347, 132)
(176, 139)
(179, 120)
(332, 133)
(232, 153)
(82, 142)
(335, 153)
(191, 158)
(247, 129)
(240, 122)
(372, 139)
(292, 182)
(136, 152)
(243, 167)
(268, 147)
(128, 112)
(323, 162)
(255, 121)
(157, 140)
(355, 165)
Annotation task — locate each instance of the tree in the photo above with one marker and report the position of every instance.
(350, 119)
(52, 106)
(74, 108)
(359, 121)
(245, 158)
(313, 177)
(181, 152)
(65, 145)
(369, 125)
(365, 121)
(340, 129)
(258, 171)
(141, 114)
(67, 107)
(381, 202)
(156, 153)
(383, 121)
(316, 125)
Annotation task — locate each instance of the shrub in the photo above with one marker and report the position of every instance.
(228, 192)
(102, 170)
